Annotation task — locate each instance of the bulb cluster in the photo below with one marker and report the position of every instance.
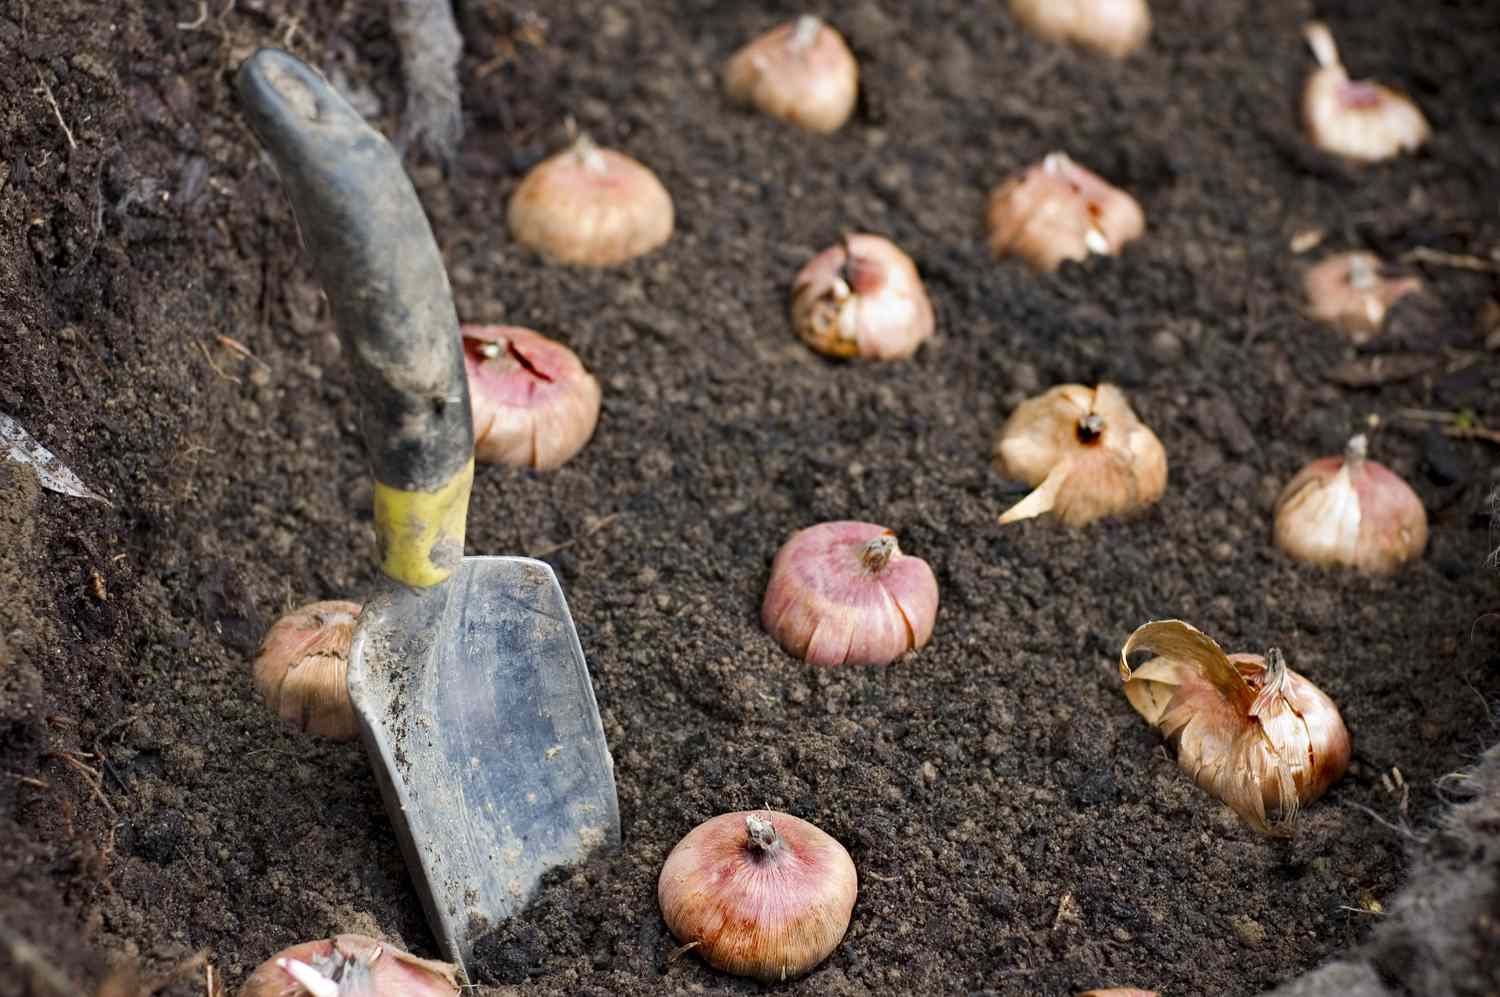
(766, 894)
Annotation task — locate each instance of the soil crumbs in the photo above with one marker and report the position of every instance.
(1017, 828)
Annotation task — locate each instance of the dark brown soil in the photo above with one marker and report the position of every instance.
(1018, 829)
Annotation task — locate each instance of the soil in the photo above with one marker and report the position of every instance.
(1018, 829)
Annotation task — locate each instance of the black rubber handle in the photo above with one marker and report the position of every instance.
(373, 251)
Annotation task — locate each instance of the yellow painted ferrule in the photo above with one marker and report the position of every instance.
(421, 533)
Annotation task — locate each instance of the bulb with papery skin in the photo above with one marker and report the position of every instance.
(350, 966)
(591, 206)
(758, 893)
(801, 72)
(1113, 27)
(1357, 119)
(1057, 210)
(1351, 512)
(301, 668)
(843, 593)
(1085, 453)
(862, 298)
(1247, 728)
(534, 404)
(1353, 292)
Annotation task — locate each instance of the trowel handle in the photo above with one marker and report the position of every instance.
(373, 250)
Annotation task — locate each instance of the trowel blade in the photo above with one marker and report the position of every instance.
(477, 711)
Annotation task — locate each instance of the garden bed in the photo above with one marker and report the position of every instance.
(1017, 828)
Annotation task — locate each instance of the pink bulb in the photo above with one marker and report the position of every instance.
(1113, 27)
(1057, 210)
(301, 668)
(844, 593)
(862, 298)
(591, 206)
(350, 966)
(1360, 120)
(801, 71)
(1351, 511)
(758, 893)
(534, 403)
(1353, 292)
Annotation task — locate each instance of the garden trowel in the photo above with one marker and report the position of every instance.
(473, 697)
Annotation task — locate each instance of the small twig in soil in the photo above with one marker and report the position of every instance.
(197, 23)
(1395, 784)
(198, 448)
(235, 345)
(27, 780)
(1454, 425)
(682, 950)
(1457, 261)
(90, 776)
(1361, 910)
(47, 89)
(1402, 829)
(200, 23)
(210, 359)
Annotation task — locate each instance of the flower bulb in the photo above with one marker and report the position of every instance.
(591, 206)
(301, 666)
(350, 966)
(1352, 512)
(801, 72)
(1352, 292)
(534, 403)
(862, 298)
(1357, 119)
(1084, 452)
(1113, 27)
(758, 893)
(1248, 729)
(844, 593)
(1058, 210)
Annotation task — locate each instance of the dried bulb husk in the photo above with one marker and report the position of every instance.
(1357, 119)
(1352, 512)
(844, 593)
(350, 966)
(301, 667)
(801, 72)
(1248, 729)
(1057, 210)
(591, 206)
(535, 405)
(862, 298)
(1113, 27)
(1085, 453)
(1119, 992)
(758, 893)
(1352, 292)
